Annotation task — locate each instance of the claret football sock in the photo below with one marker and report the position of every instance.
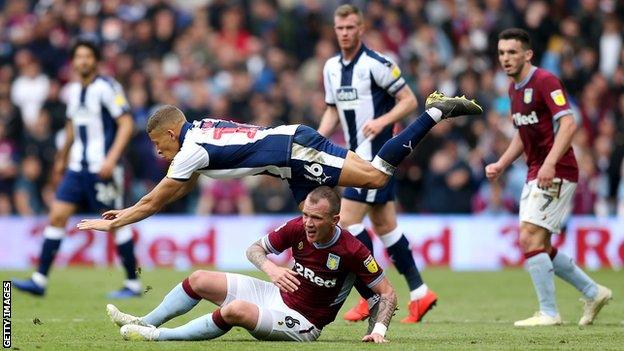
(202, 328)
(566, 269)
(541, 269)
(178, 301)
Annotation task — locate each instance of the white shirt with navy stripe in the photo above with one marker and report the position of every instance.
(93, 110)
(361, 90)
(224, 149)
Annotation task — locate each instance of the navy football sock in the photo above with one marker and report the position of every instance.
(401, 256)
(48, 253)
(398, 148)
(365, 239)
(126, 254)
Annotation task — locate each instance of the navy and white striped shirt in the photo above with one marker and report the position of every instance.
(93, 110)
(361, 90)
(224, 149)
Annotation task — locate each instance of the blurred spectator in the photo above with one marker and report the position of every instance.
(272, 195)
(8, 171)
(30, 88)
(224, 197)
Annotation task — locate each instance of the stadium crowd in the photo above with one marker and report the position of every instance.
(261, 62)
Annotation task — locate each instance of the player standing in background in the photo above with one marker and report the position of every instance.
(542, 115)
(295, 305)
(366, 93)
(98, 128)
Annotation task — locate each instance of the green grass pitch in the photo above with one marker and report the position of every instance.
(475, 311)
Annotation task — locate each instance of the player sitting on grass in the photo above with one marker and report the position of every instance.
(296, 305)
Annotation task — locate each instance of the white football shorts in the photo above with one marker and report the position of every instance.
(276, 322)
(547, 208)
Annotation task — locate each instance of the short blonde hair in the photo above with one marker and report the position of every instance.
(348, 9)
(329, 194)
(164, 116)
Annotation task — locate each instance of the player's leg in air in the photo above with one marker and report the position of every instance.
(244, 301)
(538, 221)
(75, 190)
(372, 175)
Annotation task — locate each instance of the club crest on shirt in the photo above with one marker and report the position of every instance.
(371, 264)
(528, 95)
(558, 97)
(333, 261)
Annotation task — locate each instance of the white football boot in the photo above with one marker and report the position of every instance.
(592, 307)
(135, 332)
(539, 319)
(120, 318)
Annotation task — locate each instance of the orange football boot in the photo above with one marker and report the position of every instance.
(419, 308)
(358, 313)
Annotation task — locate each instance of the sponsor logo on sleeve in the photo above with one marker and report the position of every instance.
(371, 264)
(120, 100)
(333, 261)
(558, 97)
(396, 72)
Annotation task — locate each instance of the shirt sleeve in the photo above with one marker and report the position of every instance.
(191, 158)
(364, 265)
(555, 97)
(388, 76)
(114, 100)
(283, 237)
(329, 92)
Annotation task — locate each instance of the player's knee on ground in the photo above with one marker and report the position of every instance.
(238, 312)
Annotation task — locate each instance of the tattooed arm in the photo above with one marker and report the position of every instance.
(384, 311)
(283, 278)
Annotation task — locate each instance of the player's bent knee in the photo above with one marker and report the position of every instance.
(236, 312)
(198, 279)
(377, 179)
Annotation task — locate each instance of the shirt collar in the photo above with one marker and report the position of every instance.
(526, 79)
(333, 240)
(355, 58)
(185, 128)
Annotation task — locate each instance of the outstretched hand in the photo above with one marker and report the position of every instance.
(104, 225)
